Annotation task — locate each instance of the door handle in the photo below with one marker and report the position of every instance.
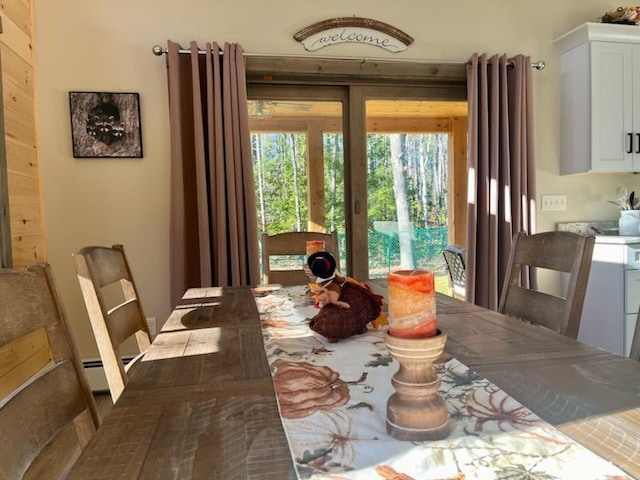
(630, 135)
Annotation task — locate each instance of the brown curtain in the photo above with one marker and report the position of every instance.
(213, 226)
(501, 161)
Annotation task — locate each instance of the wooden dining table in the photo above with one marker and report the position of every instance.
(201, 404)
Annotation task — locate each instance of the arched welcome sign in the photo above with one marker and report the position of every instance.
(353, 30)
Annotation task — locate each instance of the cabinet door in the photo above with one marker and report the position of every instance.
(636, 108)
(612, 134)
(602, 323)
(632, 291)
(629, 330)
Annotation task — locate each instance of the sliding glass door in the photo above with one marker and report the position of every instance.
(373, 163)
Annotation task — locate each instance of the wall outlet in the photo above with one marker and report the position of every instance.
(553, 202)
(151, 321)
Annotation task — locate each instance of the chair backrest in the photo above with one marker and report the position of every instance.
(635, 342)
(454, 258)
(558, 251)
(114, 308)
(47, 411)
(293, 244)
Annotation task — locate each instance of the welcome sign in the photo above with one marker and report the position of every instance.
(353, 30)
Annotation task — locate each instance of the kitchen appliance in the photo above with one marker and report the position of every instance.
(612, 298)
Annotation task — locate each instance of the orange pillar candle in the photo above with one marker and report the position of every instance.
(412, 304)
(314, 246)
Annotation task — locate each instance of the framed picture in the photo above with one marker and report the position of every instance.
(105, 125)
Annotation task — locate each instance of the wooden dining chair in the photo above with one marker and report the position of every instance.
(557, 251)
(114, 309)
(47, 411)
(293, 245)
(454, 258)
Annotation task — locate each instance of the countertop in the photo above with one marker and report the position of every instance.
(606, 232)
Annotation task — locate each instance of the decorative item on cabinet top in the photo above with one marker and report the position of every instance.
(621, 16)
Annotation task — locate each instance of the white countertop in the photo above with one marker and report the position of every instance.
(610, 227)
(618, 239)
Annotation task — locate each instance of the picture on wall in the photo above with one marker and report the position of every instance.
(105, 125)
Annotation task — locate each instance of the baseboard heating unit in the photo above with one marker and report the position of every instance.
(95, 373)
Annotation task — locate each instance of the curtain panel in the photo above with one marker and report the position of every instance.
(213, 227)
(501, 170)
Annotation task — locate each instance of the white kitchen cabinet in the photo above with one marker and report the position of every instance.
(612, 298)
(600, 99)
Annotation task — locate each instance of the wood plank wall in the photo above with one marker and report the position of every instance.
(24, 185)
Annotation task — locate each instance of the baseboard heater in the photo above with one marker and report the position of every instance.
(95, 373)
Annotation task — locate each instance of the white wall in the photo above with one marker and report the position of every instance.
(106, 46)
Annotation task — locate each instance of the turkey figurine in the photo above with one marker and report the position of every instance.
(346, 307)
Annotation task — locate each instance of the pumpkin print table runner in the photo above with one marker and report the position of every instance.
(332, 399)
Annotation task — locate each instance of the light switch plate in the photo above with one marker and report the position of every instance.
(553, 202)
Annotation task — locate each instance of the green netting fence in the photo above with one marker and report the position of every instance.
(427, 245)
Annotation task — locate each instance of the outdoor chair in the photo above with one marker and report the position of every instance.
(454, 258)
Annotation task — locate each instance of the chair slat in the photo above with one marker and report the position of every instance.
(36, 415)
(113, 320)
(24, 305)
(45, 402)
(23, 358)
(564, 252)
(293, 244)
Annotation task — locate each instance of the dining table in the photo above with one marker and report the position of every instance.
(202, 403)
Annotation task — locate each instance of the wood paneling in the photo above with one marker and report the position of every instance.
(20, 126)
(26, 220)
(23, 174)
(17, 98)
(27, 249)
(289, 70)
(16, 68)
(16, 39)
(315, 169)
(458, 172)
(22, 159)
(19, 12)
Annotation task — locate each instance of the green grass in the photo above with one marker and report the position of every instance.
(443, 284)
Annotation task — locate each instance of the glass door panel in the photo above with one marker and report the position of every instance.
(298, 163)
(407, 187)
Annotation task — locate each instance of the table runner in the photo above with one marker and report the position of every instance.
(332, 399)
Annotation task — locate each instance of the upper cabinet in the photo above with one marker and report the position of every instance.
(600, 98)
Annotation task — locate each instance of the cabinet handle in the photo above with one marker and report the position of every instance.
(638, 139)
(630, 135)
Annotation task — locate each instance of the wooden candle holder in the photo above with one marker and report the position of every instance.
(416, 411)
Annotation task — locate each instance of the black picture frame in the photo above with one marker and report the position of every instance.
(105, 125)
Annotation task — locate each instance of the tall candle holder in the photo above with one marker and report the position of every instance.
(416, 411)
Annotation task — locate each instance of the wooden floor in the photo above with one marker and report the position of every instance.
(103, 399)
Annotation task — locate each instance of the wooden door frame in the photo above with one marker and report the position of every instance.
(5, 225)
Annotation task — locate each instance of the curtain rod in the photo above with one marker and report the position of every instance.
(159, 51)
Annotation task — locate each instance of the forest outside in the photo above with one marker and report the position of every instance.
(407, 183)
